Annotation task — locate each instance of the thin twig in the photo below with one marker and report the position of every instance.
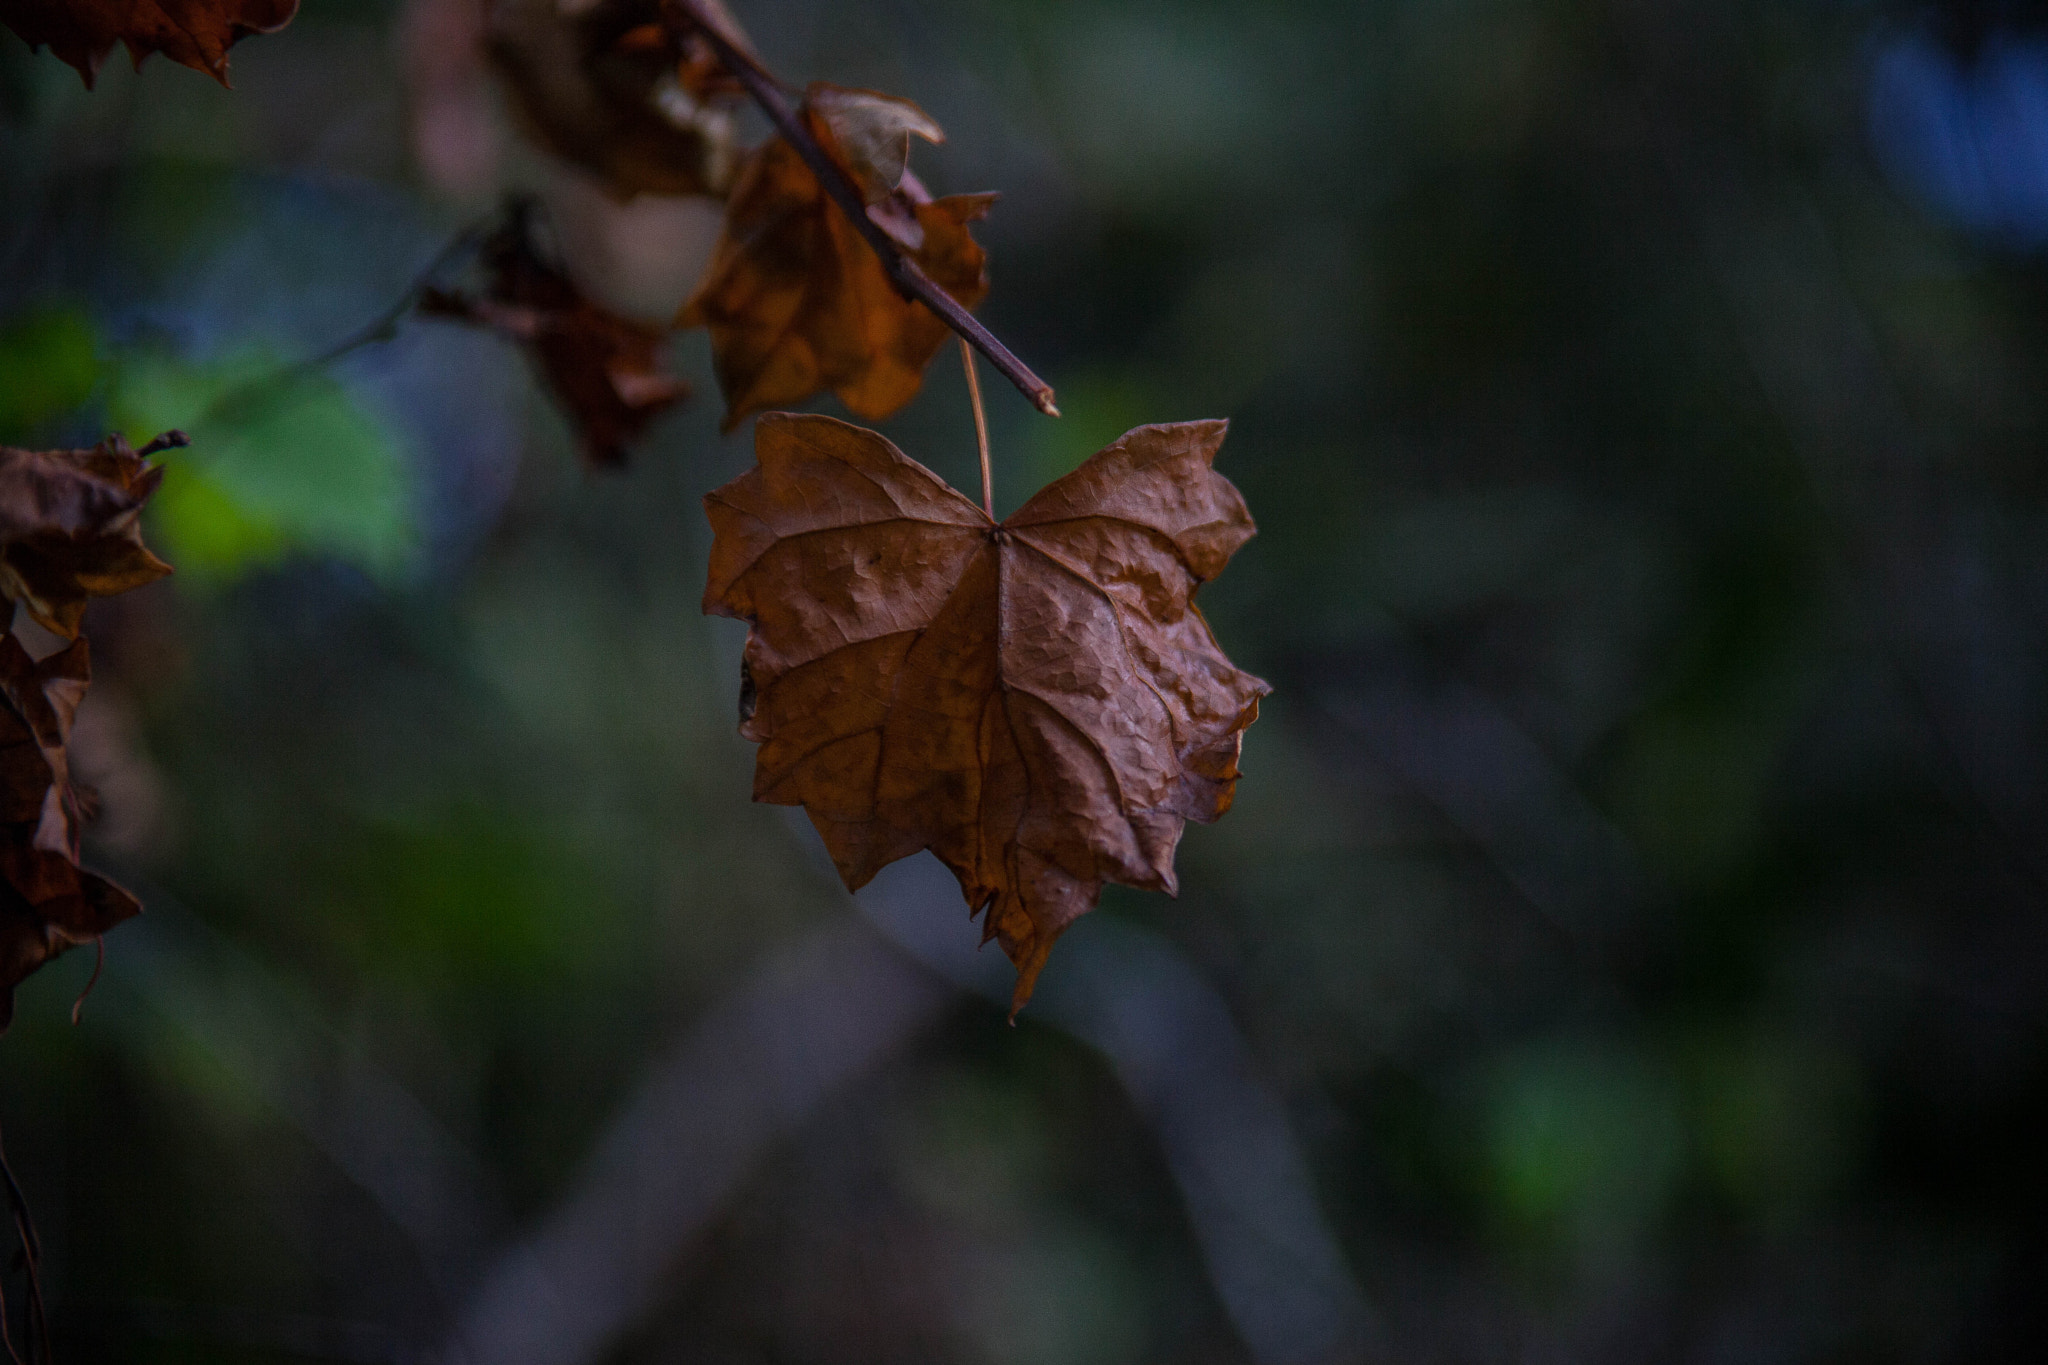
(385, 325)
(6, 1336)
(271, 387)
(98, 965)
(988, 497)
(168, 440)
(35, 1322)
(908, 277)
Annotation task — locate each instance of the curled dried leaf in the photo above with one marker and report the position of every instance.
(603, 87)
(194, 33)
(70, 527)
(873, 132)
(797, 302)
(1038, 702)
(48, 903)
(605, 370)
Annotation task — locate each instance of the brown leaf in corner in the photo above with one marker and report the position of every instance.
(600, 86)
(70, 528)
(604, 369)
(48, 903)
(195, 33)
(797, 302)
(1039, 703)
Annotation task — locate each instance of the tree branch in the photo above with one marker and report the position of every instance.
(275, 386)
(35, 1325)
(688, 16)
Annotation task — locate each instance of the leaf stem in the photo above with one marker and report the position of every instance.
(385, 325)
(168, 440)
(988, 499)
(272, 387)
(909, 279)
(35, 1326)
(99, 964)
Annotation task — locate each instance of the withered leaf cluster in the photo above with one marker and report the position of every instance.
(70, 528)
(194, 33)
(48, 903)
(796, 302)
(69, 532)
(605, 370)
(1038, 702)
(605, 87)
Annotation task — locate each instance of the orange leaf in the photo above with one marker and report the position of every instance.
(196, 33)
(1039, 703)
(797, 302)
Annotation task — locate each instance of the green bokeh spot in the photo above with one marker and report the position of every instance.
(49, 363)
(1585, 1143)
(1776, 1118)
(472, 889)
(1097, 408)
(277, 467)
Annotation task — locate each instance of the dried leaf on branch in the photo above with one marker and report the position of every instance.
(1039, 703)
(872, 134)
(797, 302)
(48, 903)
(605, 370)
(195, 33)
(70, 527)
(606, 88)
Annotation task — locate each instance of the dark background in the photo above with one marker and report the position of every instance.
(1628, 944)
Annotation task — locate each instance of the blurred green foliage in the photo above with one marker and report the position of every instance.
(1585, 1144)
(1635, 894)
(283, 462)
(51, 362)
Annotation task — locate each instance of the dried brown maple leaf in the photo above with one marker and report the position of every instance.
(196, 33)
(605, 369)
(797, 302)
(70, 526)
(48, 903)
(602, 86)
(1039, 703)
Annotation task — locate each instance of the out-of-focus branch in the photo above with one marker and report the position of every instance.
(814, 1020)
(1821, 369)
(199, 986)
(35, 1326)
(1170, 1039)
(832, 1009)
(1466, 756)
(275, 386)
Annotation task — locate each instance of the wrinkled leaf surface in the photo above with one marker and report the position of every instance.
(1039, 703)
